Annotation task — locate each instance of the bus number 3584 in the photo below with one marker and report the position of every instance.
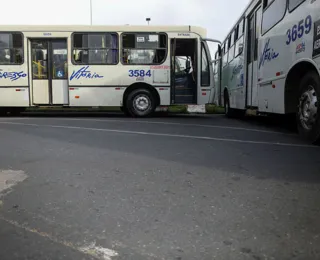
(139, 73)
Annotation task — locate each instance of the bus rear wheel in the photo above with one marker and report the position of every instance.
(141, 103)
(308, 114)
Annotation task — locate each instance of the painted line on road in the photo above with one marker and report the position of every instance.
(91, 249)
(166, 123)
(9, 178)
(164, 135)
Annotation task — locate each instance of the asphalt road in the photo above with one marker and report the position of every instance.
(181, 187)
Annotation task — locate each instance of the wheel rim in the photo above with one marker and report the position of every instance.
(141, 103)
(308, 108)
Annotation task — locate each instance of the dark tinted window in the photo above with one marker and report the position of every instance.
(95, 48)
(144, 48)
(11, 48)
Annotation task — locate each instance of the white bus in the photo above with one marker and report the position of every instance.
(136, 68)
(269, 63)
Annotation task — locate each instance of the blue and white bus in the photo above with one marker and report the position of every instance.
(132, 67)
(269, 63)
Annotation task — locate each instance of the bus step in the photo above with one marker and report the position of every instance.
(184, 92)
(184, 99)
(177, 89)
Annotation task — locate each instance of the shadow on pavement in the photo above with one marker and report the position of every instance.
(289, 164)
(286, 123)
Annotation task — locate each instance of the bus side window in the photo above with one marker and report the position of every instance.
(231, 49)
(239, 47)
(215, 70)
(294, 3)
(273, 13)
(144, 48)
(257, 31)
(239, 39)
(242, 26)
(95, 48)
(11, 48)
(236, 33)
(205, 75)
(224, 55)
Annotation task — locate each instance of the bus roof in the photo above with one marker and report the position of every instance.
(106, 28)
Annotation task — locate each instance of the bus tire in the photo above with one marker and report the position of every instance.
(140, 103)
(308, 109)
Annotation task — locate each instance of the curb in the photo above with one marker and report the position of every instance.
(170, 109)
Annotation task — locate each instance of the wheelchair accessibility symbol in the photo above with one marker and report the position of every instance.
(60, 74)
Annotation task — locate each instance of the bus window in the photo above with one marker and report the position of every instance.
(226, 46)
(251, 40)
(95, 48)
(224, 56)
(231, 49)
(273, 14)
(215, 69)
(60, 60)
(257, 31)
(229, 42)
(144, 48)
(205, 70)
(258, 22)
(294, 3)
(239, 47)
(236, 33)
(231, 54)
(11, 48)
(241, 27)
(39, 54)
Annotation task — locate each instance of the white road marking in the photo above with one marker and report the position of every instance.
(165, 123)
(101, 252)
(9, 178)
(96, 252)
(164, 135)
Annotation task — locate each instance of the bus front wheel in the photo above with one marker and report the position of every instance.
(308, 114)
(141, 103)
